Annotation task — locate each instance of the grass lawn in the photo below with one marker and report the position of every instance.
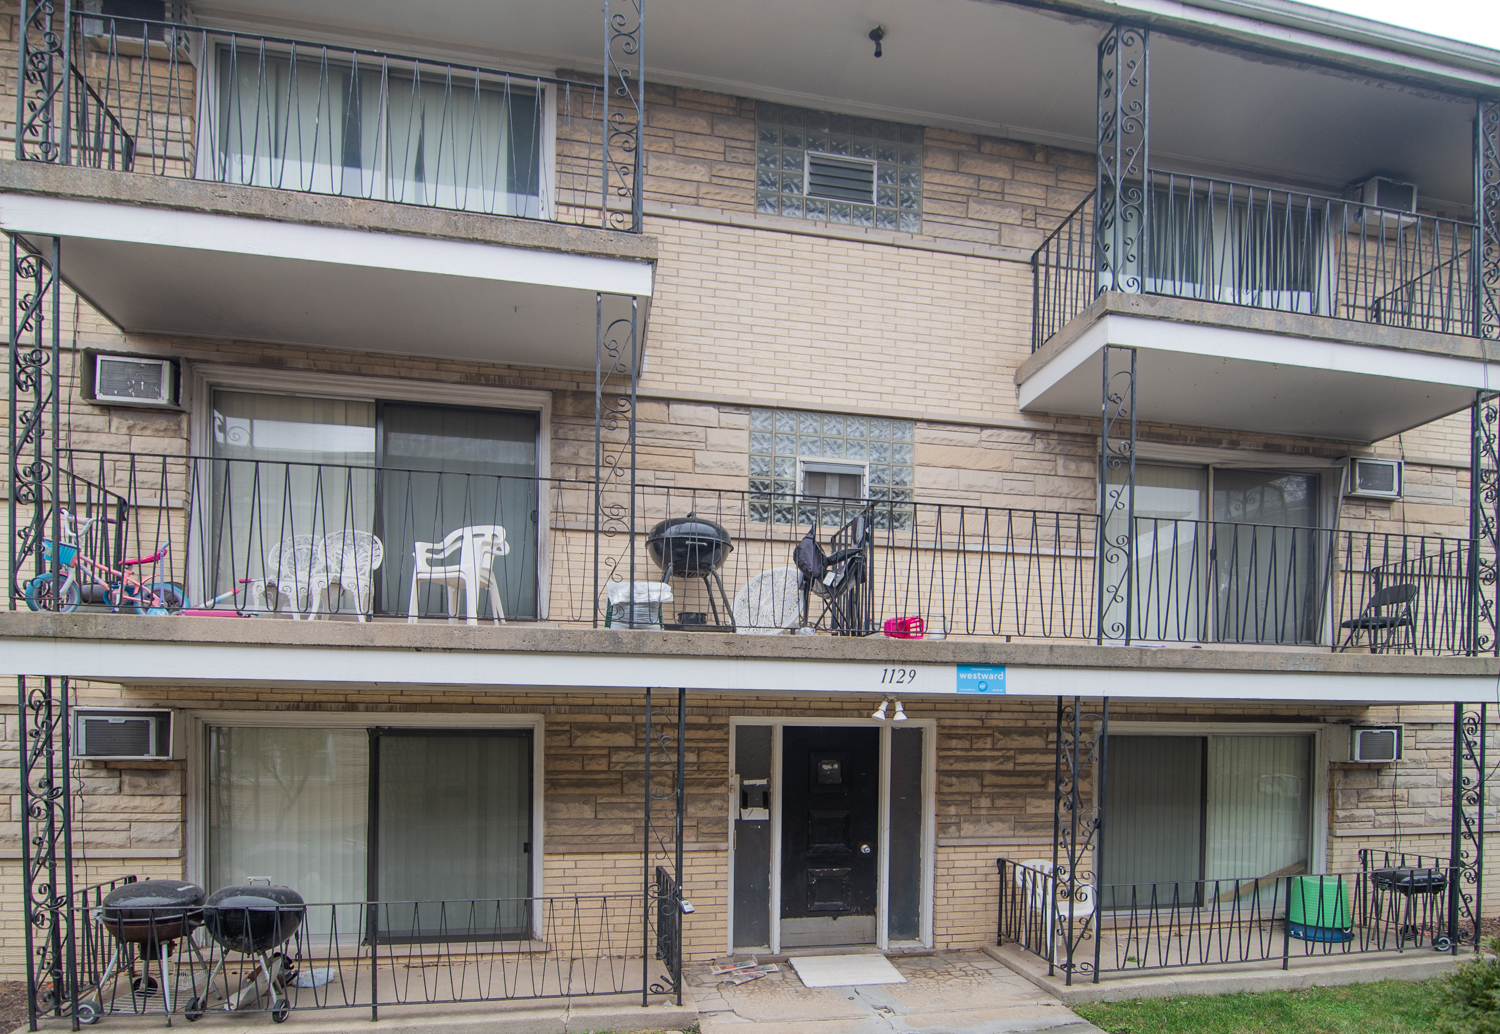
(1389, 1007)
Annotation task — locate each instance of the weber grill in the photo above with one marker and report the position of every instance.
(253, 919)
(144, 918)
(693, 547)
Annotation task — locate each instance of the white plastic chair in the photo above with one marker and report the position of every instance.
(769, 603)
(347, 562)
(1044, 896)
(477, 547)
(289, 567)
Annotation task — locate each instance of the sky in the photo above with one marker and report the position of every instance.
(1473, 21)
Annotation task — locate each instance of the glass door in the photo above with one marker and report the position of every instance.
(1267, 556)
(445, 468)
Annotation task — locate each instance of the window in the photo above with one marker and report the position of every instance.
(423, 136)
(1188, 808)
(452, 822)
(808, 468)
(838, 169)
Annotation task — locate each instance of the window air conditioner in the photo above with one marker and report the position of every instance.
(1374, 479)
(121, 733)
(1375, 745)
(1397, 202)
(132, 380)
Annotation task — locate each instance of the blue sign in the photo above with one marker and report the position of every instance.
(981, 678)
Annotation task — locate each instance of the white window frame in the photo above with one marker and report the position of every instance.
(883, 863)
(817, 466)
(1319, 731)
(201, 381)
(196, 724)
(206, 125)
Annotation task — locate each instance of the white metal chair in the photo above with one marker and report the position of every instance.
(472, 569)
(346, 562)
(769, 603)
(289, 568)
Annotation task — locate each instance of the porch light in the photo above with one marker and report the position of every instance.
(900, 715)
(879, 714)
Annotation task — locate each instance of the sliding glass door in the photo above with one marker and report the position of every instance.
(435, 823)
(1269, 558)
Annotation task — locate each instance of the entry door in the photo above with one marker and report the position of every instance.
(830, 821)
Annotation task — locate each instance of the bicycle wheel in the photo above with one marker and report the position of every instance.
(42, 594)
(172, 594)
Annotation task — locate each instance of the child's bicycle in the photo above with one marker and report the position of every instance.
(120, 591)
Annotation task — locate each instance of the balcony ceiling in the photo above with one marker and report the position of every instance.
(1006, 70)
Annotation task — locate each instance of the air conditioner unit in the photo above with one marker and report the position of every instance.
(122, 733)
(133, 380)
(1374, 479)
(1396, 202)
(1377, 745)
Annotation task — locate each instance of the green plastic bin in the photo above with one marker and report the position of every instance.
(1317, 909)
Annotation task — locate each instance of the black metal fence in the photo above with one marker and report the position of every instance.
(1266, 248)
(1393, 904)
(369, 955)
(307, 540)
(228, 107)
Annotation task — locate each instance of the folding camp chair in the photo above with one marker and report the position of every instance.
(841, 579)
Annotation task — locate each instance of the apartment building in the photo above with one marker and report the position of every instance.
(573, 501)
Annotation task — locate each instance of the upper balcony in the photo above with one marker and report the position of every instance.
(218, 184)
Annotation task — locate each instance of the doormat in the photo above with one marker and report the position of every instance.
(845, 970)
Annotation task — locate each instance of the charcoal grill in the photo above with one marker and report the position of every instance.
(254, 919)
(146, 918)
(694, 547)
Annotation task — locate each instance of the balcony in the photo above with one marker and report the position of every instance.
(153, 534)
(214, 184)
(1262, 310)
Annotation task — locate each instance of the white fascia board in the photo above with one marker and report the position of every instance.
(160, 664)
(1253, 346)
(243, 235)
(1320, 37)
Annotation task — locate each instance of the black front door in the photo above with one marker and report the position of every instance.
(829, 835)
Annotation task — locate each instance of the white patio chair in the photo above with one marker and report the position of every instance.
(1045, 900)
(769, 603)
(346, 561)
(472, 570)
(289, 567)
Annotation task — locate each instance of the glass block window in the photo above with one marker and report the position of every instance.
(790, 448)
(892, 150)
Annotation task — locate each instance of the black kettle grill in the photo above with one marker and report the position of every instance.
(693, 547)
(147, 915)
(253, 919)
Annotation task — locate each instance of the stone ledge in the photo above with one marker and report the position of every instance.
(129, 628)
(291, 206)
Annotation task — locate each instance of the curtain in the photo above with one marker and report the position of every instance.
(371, 127)
(1259, 806)
(291, 805)
(1268, 556)
(445, 468)
(1154, 805)
(288, 472)
(1169, 550)
(455, 827)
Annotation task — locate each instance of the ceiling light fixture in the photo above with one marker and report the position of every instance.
(876, 35)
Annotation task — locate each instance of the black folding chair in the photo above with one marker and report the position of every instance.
(840, 580)
(1388, 611)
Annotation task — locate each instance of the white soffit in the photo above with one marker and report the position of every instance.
(221, 276)
(1249, 380)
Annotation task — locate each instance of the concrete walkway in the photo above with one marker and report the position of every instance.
(961, 992)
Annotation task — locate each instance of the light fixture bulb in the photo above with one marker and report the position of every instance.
(879, 714)
(900, 715)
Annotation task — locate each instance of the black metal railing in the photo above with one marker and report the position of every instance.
(328, 540)
(369, 955)
(1133, 927)
(1266, 248)
(229, 107)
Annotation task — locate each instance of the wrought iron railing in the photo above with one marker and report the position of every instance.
(369, 955)
(1126, 928)
(329, 540)
(1267, 248)
(201, 103)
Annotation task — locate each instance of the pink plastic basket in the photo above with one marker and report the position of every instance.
(905, 628)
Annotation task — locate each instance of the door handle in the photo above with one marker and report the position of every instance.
(864, 849)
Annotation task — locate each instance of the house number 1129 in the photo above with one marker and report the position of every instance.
(898, 676)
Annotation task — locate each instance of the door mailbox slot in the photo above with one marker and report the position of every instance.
(755, 800)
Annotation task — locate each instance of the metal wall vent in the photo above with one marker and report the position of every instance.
(840, 179)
